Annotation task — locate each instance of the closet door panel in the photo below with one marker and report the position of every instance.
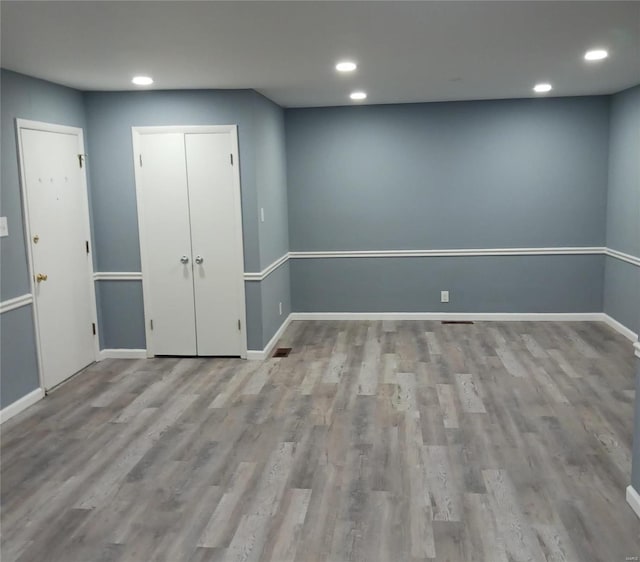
(167, 241)
(213, 228)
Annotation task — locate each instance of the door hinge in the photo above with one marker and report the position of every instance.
(239, 325)
(151, 324)
(140, 158)
(93, 328)
(81, 159)
(231, 156)
(86, 242)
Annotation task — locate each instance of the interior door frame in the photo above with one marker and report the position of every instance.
(26, 124)
(136, 133)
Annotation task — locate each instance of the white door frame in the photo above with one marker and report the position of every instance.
(136, 133)
(67, 130)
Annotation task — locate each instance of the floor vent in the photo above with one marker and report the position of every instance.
(282, 352)
(457, 321)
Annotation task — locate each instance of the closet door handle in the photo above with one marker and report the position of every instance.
(199, 259)
(184, 259)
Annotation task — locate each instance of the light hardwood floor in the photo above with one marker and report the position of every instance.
(372, 441)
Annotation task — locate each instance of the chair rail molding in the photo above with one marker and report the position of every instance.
(117, 276)
(16, 302)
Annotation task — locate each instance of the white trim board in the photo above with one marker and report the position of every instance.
(633, 499)
(262, 275)
(16, 302)
(117, 276)
(634, 260)
(261, 354)
(21, 404)
(473, 316)
(578, 250)
(619, 327)
(122, 354)
(477, 317)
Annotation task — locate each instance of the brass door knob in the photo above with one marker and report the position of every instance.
(41, 277)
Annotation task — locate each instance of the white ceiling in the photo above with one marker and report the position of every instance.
(406, 51)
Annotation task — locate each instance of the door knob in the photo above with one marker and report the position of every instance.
(199, 259)
(41, 277)
(184, 259)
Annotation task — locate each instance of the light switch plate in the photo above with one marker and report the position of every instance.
(4, 229)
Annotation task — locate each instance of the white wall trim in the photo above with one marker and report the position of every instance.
(16, 302)
(473, 316)
(618, 327)
(21, 404)
(636, 348)
(578, 250)
(477, 317)
(622, 256)
(117, 276)
(262, 275)
(261, 354)
(633, 499)
(122, 354)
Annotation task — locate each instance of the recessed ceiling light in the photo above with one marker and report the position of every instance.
(596, 54)
(142, 80)
(358, 95)
(542, 88)
(346, 66)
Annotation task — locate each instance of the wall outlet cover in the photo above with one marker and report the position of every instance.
(444, 296)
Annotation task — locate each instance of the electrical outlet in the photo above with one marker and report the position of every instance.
(280, 308)
(444, 296)
(261, 214)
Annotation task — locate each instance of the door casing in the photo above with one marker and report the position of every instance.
(136, 133)
(78, 132)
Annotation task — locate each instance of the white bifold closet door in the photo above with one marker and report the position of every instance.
(190, 228)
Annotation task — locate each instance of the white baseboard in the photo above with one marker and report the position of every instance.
(618, 327)
(633, 499)
(21, 404)
(475, 316)
(122, 354)
(261, 354)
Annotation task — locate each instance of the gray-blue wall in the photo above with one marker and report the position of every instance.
(489, 174)
(110, 116)
(107, 119)
(622, 279)
(271, 183)
(622, 285)
(476, 284)
(27, 98)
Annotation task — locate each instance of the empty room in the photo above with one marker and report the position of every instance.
(319, 281)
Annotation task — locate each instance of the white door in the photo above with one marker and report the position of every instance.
(215, 255)
(167, 243)
(58, 227)
(190, 240)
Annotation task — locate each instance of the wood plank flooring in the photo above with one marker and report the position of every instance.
(373, 441)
